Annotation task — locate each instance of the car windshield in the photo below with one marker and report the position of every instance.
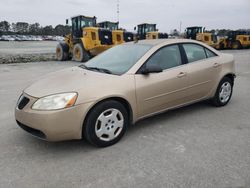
(118, 59)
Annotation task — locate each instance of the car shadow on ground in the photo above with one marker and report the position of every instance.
(148, 123)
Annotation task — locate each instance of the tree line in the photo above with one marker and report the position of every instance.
(24, 28)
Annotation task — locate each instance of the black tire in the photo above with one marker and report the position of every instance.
(91, 123)
(80, 54)
(62, 52)
(217, 100)
(221, 46)
(237, 45)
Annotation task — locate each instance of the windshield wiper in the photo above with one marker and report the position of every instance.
(83, 66)
(100, 70)
(96, 69)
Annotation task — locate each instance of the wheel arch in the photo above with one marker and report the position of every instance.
(230, 76)
(121, 100)
(65, 46)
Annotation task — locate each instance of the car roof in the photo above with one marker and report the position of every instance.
(155, 42)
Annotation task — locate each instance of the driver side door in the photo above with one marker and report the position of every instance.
(156, 92)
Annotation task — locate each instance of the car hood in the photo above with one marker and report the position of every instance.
(86, 83)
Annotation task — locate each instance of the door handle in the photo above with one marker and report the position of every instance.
(181, 74)
(216, 65)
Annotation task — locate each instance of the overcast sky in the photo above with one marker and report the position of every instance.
(167, 14)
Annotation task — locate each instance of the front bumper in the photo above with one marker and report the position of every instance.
(56, 125)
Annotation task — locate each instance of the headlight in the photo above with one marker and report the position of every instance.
(55, 102)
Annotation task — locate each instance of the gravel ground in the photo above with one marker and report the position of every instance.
(197, 146)
(27, 51)
(27, 47)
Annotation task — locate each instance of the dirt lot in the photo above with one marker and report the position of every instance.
(197, 146)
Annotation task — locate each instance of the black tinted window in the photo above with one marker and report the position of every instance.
(166, 57)
(194, 52)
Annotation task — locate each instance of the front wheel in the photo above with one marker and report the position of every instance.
(62, 52)
(106, 124)
(80, 54)
(223, 93)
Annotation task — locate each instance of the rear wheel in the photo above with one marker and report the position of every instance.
(80, 54)
(221, 46)
(223, 93)
(62, 52)
(106, 124)
(237, 45)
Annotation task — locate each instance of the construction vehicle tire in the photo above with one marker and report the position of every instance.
(62, 52)
(221, 47)
(80, 54)
(237, 45)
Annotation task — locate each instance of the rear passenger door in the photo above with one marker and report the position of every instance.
(202, 70)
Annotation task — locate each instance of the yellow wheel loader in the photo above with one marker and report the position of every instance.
(119, 36)
(211, 39)
(149, 31)
(84, 41)
(198, 33)
(238, 40)
(233, 40)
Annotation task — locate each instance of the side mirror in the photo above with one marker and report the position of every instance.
(151, 69)
(134, 28)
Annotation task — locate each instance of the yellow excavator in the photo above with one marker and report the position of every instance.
(149, 31)
(84, 41)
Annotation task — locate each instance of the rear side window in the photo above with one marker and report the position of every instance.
(194, 52)
(210, 53)
(167, 57)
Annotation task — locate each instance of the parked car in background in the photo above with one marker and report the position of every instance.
(59, 38)
(7, 38)
(30, 38)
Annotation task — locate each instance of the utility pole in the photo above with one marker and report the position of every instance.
(118, 10)
(180, 26)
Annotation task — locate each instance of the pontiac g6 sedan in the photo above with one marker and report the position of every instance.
(99, 99)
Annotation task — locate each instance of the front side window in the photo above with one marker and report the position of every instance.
(83, 23)
(74, 24)
(194, 52)
(166, 57)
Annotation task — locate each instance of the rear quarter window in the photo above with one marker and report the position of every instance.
(210, 53)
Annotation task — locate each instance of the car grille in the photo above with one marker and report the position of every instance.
(23, 101)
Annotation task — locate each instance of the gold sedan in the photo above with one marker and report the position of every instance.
(100, 99)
